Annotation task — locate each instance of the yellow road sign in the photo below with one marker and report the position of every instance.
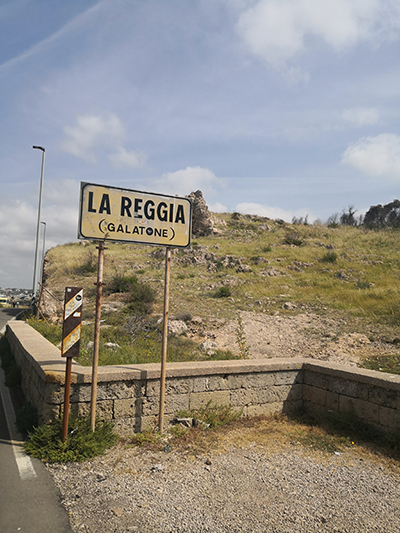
(115, 214)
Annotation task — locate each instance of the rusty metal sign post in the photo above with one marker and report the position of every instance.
(96, 340)
(164, 340)
(71, 337)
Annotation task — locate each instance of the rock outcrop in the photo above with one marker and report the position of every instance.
(202, 222)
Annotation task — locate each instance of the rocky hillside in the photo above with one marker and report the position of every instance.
(251, 285)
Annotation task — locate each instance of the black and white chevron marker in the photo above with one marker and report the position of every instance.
(71, 335)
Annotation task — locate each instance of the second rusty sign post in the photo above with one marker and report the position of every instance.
(71, 337)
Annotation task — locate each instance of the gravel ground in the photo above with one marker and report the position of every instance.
(246, 489)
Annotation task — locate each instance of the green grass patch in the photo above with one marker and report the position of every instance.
(81, 444)
(131, 345)
(383, 363)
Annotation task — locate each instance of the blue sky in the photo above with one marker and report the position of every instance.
(274, 107)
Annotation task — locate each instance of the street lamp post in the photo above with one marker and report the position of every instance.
(35, 268)
(43, 250)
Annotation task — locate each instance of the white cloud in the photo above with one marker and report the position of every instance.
(279, 30)
(122, 158)
(190, 179)
(90, 133)
(218, 208)
(248, 208)
(361, 116)
(18, 221)
(376, 156)
(93, 134)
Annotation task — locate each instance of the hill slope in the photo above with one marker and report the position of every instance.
(256, 287)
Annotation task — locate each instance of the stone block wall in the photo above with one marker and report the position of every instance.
(129, 394)
(371, 396)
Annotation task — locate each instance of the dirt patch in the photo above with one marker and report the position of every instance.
(303, 335)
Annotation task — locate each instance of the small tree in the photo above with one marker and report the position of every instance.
(347, 218)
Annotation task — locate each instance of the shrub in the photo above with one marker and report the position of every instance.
(82, 443)
(142, 298)
(142, 295)
(123, 283)
(266, 249)
(329, 257)
(293, 238)
(223, 292)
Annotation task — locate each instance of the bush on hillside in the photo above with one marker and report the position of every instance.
(387, 216)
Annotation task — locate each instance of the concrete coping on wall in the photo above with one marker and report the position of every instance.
(50, 366)
(353, 373)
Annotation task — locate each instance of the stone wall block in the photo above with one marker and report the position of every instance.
(251, 380)
(259, 380)
(126, 389)
(125, 427)
(80, 409)
(332, 401)
(385, 397)
(175, 403)
(387, 417)
(315, 379)
(104, 409)
(314, 395)
(266, 409)
(289, 377)
(148, 423)
(242, 397)
(200, 399)
(172, 386)
(128, 408)
(54, 394)
(47, 413)
(365, 410)
(150, 406)
(295, 393)
(210, 383)
(235, 381)
(345, 387)
(81, 392)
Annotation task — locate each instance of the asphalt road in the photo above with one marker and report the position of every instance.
(6, 314)
(29, 500)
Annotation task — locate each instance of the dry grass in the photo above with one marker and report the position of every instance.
(273, 435)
